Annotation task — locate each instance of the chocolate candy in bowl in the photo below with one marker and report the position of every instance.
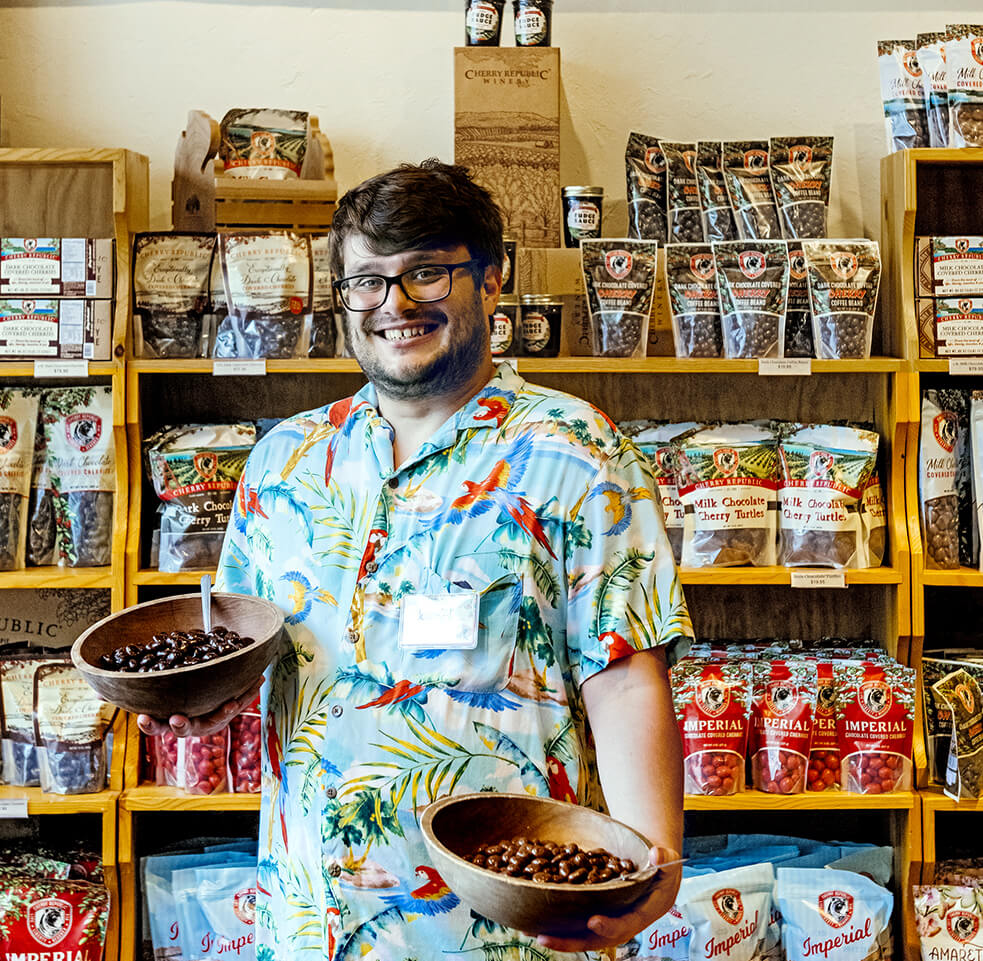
(191, 689)
(454, 828)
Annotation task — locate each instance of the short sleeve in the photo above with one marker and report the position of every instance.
(624, 593)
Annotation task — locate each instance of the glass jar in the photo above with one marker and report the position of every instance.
(504, 330)
(508, 265)
(541, 319)
(533, 22)
(483, 22)
(581, 214)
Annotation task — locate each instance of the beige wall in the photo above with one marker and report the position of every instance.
(379, 75)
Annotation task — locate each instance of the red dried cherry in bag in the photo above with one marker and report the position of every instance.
(206, 763)
(244, 750)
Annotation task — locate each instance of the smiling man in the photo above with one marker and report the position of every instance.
(484, 575)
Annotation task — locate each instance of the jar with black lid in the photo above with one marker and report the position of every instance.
(533, 22)
(505, 330)
(541, 319)
(483, 22)
(581, 214)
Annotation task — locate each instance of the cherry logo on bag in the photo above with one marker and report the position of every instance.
(726, 460)
(83, 430)
(781, 697)
(844, 264)
(30, 244)
(800, 155)
(701, 266)
(962, 926)
(663, 460)
(976, 49)
(713, 696)
(8, 434)
(910, 63)
(689, 158)
(206, 464)
(755, 159)
(655, 160)
(618, 263)
(965, 306)
(244, 905)
(836, 908)
(797, 264)
(820, 464)
(729, 905)
(965, 694)
(961, 245)
(875, 698)
(752, 263)
(826, 699)
(49, 920)
(944, 427)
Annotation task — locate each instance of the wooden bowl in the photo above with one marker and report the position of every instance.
(192, 690)
(454, 827)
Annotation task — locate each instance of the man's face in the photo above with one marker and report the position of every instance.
(411, 350)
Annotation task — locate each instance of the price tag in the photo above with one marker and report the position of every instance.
(785, 366)
(239, 368)
(813, 580)
(61, 368)
(15, 807)
(966, 365)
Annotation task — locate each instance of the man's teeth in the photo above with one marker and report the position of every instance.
(404, 333)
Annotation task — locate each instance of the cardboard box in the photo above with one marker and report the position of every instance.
(56, 329)
(57, 267)
(925, 316)
(507, 132)
(557, 271)
(948, 266)
(959, 326)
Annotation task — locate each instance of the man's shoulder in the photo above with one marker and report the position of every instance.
(304, 429)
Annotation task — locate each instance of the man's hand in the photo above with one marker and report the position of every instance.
(612, 931)
(182, 726)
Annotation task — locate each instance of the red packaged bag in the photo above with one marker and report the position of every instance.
(875, 722)
(782, 710)
(824, 757)
(712, 701)
(169, 770)
(206, 763)
(244, 750)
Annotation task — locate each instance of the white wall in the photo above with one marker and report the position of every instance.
(378, 74)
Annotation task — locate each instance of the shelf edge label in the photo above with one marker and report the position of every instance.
(966, 365)
(784, 366)
(15, 807)
(61, 368)
(239, 368)
(812, 580)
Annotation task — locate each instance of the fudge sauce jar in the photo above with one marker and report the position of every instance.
(581, 214)
(541, 317)
(533, 22)
(504, 330)
(483, 23)
(508, 265)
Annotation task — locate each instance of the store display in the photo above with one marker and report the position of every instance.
(268, 292)
(752, 198)
(905, 119)
(964, 70)
(800, 169)
(930, 50)
(844, 278)
(505, 330)
(483, 22)
(796, 329)
(195, 470)
(18, 421)
(752, 283)
(541, 318)
(533, 22)
(937, 464)
(171, 294)
(619, 276)
(57, 267)
(263, 143)
(691, 281)
(685, 224)
(645, 170)
(55, 329)
(583, 209)
(715, 211)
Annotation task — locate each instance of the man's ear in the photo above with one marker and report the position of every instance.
(491, 288)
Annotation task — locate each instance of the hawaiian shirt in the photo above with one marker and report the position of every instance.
(528, 501)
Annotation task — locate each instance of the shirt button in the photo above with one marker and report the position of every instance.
(337, 710)
(331, 792)
(393, 482)
(372, 567)
(334, 870)
(351, 635)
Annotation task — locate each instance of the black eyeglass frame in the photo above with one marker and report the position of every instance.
(473, 264)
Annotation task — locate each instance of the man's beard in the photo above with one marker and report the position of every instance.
(444, 374)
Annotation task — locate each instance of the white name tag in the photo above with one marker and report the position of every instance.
(437, 622)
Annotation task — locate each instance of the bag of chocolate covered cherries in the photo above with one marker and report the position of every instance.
(728, 483)
(800, 170)
(264, 143)
(844, 276)
(645, 171)
(752, 198)
(825, 471)
(930, 49)
(619, 276)
(683, 199)
(717, 216)
(905, 121)
(752, 282)
(323, 333)
(18, 422)
(691, 281)
(824, 751)
(964, 69)
(795, 326)
(937, 455)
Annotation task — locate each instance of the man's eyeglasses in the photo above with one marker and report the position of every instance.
(424, 284)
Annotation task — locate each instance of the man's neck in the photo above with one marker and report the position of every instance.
(415, 420)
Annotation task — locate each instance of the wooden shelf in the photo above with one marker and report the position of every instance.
(780, 575)
(149, 575)
(961, 577)
(150, 797)
(33, 577)
(16, 368)
(934, 800)
(40, 803)
(808, 801)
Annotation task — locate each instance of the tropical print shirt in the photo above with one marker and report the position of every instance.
(530, 499)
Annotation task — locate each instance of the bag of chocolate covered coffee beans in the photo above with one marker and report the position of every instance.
(930, 49)
(728, 483)
(683, 201)
(800, 170)
(18, 422)
(691, 280)
(752, 283)
(975, 459)
(795, 326)
(937, 478)
(748, 183)
(645, 171)
(718, 218)
(619, 276)
(905, 121)
(964, 68)
(963, 696)
(844, 276)
(825, 470)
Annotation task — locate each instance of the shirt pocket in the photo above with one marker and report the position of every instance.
(486, 667)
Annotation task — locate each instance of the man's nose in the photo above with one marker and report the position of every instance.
(396, 297)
